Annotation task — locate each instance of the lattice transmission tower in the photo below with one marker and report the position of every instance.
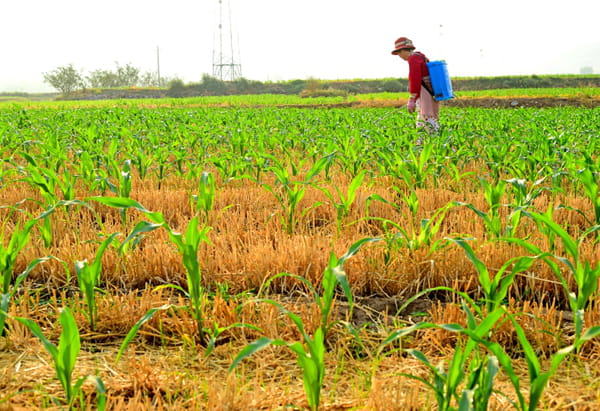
(225, 65)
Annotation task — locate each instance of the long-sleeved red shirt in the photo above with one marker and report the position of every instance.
(417, 70)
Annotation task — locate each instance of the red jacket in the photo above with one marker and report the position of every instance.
(417, 71)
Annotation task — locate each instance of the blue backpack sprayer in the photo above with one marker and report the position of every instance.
(440, 80)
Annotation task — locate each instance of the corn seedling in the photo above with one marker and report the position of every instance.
(8, 256)
(410, 200)
(493, 195)
(289, 193)
(47, 182)
(333, 276)
(590, 182)
(495, 289)
(311, 351)
(124, 188)
(188, 245)
(538, 379)
(586, 275)
(523, 198)
(203, 201)
(65, 355)
(445, 383)
(310, 354)
(416, 236)
(88, 277)
(497, 156)
(343, 202)
(414, 170)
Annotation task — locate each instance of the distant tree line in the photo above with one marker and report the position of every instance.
(120, 81)
(210, 86)
(317, 88)
(68, 79)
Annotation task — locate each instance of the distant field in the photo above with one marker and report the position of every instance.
(376, 99)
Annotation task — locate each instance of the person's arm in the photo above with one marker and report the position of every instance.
(414, 81)
(415, 75)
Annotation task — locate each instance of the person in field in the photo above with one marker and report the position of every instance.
(419, 85)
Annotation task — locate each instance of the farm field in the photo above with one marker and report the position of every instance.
(274, 254)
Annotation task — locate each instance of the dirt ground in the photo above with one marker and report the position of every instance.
(484, 102)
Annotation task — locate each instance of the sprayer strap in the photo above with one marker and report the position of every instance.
(427, 87)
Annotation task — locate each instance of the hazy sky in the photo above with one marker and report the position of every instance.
(284, 40)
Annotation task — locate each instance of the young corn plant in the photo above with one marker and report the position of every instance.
(203, 202)
(523, 198)
(88, 277)
(495, 288)
(310, 354)
(343, 202)
(417, 234)
(8, 256)
(310, 351)
(446, 382)
(585, 274)
(538, 379)
(456, 157)
(493, 194)
(414, 171)
(65, 355)
(123, 190)
(411, 201)
(589, 179)
(48, 183)
(497, 158)
(289, 193)
(188, 245)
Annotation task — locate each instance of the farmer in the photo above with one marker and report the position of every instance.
(419, 86)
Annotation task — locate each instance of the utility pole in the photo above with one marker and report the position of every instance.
(225, 66)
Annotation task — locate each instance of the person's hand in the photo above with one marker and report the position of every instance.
(412, 102)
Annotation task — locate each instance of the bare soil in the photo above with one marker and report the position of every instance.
(480, 102)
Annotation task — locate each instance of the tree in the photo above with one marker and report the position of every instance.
(176, 88)
(64, 79)
(213, 86)
(149, 79)
(102, 79)
(128, 76)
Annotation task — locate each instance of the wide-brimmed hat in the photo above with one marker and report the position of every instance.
(403, 43)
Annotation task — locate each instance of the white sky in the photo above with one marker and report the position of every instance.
(285, 40)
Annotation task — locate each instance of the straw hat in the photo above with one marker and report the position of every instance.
(403, 43)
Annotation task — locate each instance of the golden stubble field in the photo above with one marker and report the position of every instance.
(165, 367)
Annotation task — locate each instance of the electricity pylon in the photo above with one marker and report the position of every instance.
(225, 66)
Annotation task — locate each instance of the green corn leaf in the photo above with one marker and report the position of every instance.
(132, 333)
(28, 270)
(68, 349)
(65, 355)
(96, 266)
(217, 331)
(484, 275)
(423, 359)
(250, 349)
(139, 229)
(403, 332)
(126, 203)
(101, 390)
(37, 331)
(568, 242)
(590, 333)
(466, 400)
